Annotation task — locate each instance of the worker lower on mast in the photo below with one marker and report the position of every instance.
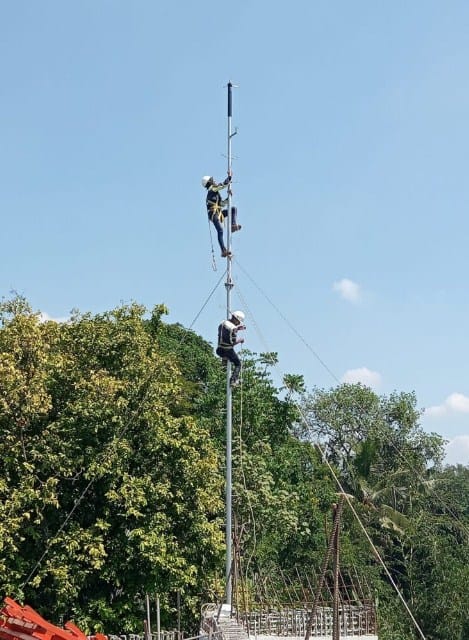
(227, 339)
(216, 209)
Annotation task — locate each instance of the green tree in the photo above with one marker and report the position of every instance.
(393, 468)
(110, 487)
(112, 466)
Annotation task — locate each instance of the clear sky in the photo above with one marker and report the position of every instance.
(350, 177)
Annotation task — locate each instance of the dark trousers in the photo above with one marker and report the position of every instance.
(215, 218)
(219, 227)
(232, 356)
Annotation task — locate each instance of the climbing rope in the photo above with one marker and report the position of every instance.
(214, 264)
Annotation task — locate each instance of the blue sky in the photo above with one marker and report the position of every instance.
(350, 177)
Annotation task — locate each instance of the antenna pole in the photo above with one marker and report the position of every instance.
(229, 286)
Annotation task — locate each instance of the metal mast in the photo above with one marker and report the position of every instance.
(229, 286)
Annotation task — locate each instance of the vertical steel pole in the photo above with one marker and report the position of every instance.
(228, 285)
(158, 620)
(147, 598)
(179, 612)
(335, 606)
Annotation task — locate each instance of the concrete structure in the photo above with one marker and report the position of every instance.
(356, 623)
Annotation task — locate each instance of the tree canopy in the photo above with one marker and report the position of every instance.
(112, 477)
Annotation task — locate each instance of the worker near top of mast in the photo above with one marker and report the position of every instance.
(227, 339)
(216, 209)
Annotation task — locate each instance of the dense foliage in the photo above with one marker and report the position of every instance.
(112, 478)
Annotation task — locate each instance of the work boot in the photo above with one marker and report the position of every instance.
(225, 253)
(234, 380)
(235, 227)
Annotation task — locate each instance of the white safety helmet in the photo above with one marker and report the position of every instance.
(206, 180)
(239, 315)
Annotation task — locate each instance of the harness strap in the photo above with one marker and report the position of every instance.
(216, 212)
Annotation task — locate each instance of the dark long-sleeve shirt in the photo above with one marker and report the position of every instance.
(214, 201)
(227, 337)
